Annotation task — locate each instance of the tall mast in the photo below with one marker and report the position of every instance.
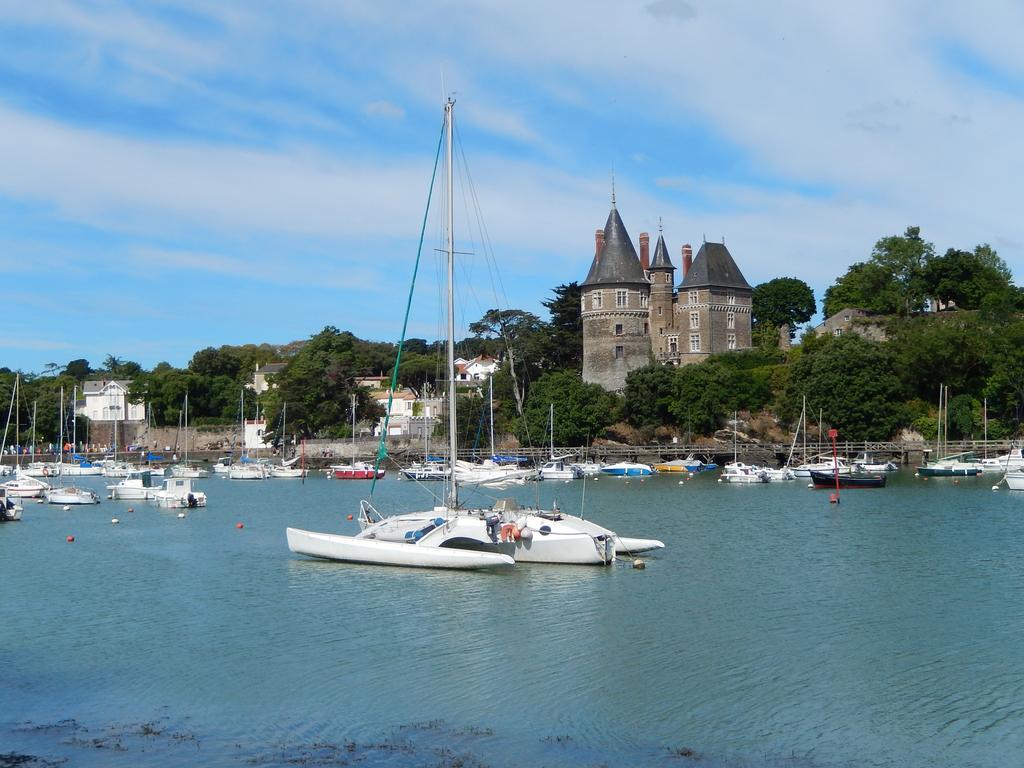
(453, 490)
(490, 404)
(60, 430)
(74, 422)
(186, 427)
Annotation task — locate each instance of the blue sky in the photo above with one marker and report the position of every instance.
(176, 175)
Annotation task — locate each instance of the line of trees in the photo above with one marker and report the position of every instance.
(868, 389)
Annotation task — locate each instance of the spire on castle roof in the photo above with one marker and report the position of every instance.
(661, 259)
(617, 262)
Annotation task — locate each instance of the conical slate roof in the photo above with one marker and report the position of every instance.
(714, 266)
(661, 259)
(617, 262)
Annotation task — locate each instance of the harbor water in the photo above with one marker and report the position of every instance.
(775, 629)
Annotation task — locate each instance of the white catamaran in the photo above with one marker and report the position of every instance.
(451, 535)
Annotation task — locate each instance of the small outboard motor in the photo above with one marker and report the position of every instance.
(191, 501)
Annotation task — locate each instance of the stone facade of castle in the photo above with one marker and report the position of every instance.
(634, 314)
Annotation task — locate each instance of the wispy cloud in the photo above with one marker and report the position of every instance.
(384, 109)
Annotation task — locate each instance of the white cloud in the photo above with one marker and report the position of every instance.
(384, 109)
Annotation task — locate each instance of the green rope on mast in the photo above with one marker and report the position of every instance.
(382, 450)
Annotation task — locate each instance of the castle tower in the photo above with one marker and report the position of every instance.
(664, 337)
(616, 329)
(713, 307)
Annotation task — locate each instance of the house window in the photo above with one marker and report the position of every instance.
(618, 329)
(620, 352)
(621, 298)
(643, 299)
(595, 300)
(730, 297)
(837, 332)
(692, 297)
(673, 344)
(730, 340)
(695, 342)
(695, 319)
(730, 320)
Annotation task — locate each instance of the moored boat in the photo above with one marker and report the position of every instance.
(849, 480)
(357, 470)
(627, 469)
(178, 492)
(71, 495)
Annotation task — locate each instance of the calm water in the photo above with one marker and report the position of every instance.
(775, 630)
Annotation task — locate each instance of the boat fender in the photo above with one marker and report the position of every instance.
(46, 471)
(508, 532)
(525, 534)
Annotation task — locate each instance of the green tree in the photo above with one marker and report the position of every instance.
(582, 411)
(563, 347)
(783, 301)
(78, 369)
(864, 286)
(648, 396)
(965, 278)
(855, 382)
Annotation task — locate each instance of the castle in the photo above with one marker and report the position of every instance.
(633, 314)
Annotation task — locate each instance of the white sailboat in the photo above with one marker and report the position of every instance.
(245, 468)
(185, 469)
(557, 467)
(22, 486)
(450, 535)
(68, 494)
(286, 469)
(490, 472)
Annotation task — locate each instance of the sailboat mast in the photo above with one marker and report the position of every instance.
(74, 421)
(186, 427)
(60, 430)
(490, 399)
(453, 491)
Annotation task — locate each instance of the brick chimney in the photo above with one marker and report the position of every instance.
(687, 258)
(598, 243)
(645, 251)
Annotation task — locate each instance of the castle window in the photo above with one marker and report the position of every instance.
(595, 300)
(647, 328)
(692, 297)
(659, 311)
(620, 352)
(643, 299)
(730, 321)
(621, 298)
(695, 342)
(673, 344)
(731, 297)
(695, 319)
(730, 340)
(618, 329)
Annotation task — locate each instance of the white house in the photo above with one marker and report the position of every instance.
(255, 433)
(409, 415)
(108, 401)
(480, 368)
(259, 378)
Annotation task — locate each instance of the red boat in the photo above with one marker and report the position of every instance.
(357, 470)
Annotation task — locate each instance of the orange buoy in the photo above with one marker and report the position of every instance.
(239, 525)
(349, 517)
(833, 499)
(70, 539)
(131, 509)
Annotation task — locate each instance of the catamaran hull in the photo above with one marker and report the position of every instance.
(1015, 481)
(349, 549)
(628, 546)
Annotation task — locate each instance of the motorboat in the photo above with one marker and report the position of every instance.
(559, 469)
(248, 470)
(866, 462)
(114, 468)
(80, 468)
(1008, 462)
(71, 494)
(451, 535)
(672, 466)
(25, 487)
(192, 471)
(1015, 480)
(738, 472)
(491, 473)
(10, 511)
(779, 474)
(823, 463)
(426, 470)
(589, 468)
(357, 470)
(223, 465)
(137, 486)
(41, 469)
(627, 469)
(177, 492)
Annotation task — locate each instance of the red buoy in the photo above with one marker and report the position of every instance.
(239, 525)
(130, 509)
(349, 517)
(70, 539)
(833, 499)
